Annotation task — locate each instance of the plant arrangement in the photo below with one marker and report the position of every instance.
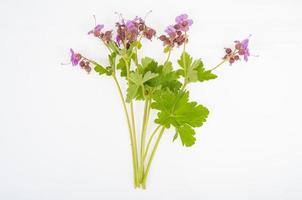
(161, 86)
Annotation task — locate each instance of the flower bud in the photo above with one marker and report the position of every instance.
(228, 50)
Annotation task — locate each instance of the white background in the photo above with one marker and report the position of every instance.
(63, 134)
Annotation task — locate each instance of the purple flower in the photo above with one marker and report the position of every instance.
(131, 26)
(182, 22)
(170, 30)
(129, 30)
(242, 48)
(75, 57)
(96, 30)
(149, 33)
(118, 40)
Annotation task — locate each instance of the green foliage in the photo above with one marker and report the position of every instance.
(136, 83)
(100, 69)
(186, 134)
(193, 71)
(176, 110)
(122, 67)
(161, 83)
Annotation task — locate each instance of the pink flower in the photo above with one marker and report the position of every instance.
(75, 57)
(182, 22)
(96, 30)
(242, 48)
(128, 31)
(171, 31)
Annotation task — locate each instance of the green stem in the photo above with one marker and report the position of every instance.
(150, 140)
(184, 85)
(133, 125)
(219, 64)
(184, 63)
(134, 158)
(143, 137)
(168, 57)
(151, 157)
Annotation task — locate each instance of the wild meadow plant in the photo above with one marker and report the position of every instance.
(161, 86)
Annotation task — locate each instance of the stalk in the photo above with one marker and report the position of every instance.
(133, 129)
(223, 61)
(151, 157)
(134, 159)
(150, 140)
(143, 138)
(184, 62)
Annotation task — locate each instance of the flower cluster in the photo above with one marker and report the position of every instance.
(176, 34)
(97, 32)
(128, 31)
(77, 58)
(241, 49)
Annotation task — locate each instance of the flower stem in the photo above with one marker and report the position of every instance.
(133, 127)
(150, 140)
(184, 63)
(168, 57)
(219, 64)
(143, 137)
(134, 158)
(151, 157)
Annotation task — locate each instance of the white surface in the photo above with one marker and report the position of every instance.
(63, 134)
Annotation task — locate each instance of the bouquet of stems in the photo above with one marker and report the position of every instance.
(160, 86)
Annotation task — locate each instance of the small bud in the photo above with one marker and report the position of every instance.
(236, 57)
(78, 56)
(231, 60)
(162, 37)
(228, 50)
(238, 46)
(82, 64)
(87, 69)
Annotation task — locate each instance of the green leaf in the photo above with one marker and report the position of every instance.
(167, 68)
(176, 110)
(185, 61)
(193, 71)
(136, 78)
(136, 84)
(189, 69)
(132, 91)
(113, 46)
(205, 75)
(149, 64)
(167, 78)
(112, 58)
(148, 76)
(100, 69)
(186, 134)
(175, 136)
(122, 66)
